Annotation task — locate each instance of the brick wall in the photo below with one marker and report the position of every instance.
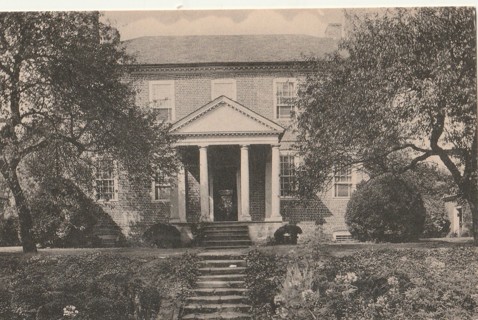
(257, 186)
(255, 91)
(134, 210)
(193, 196)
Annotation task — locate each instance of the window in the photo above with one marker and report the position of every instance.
(161, 188)
(285, 93)
(161, 97)
(223, 87)
(105, 180)
(288, 184)
(343, 182)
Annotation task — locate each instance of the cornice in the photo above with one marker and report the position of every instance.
(294, 66)
(220, 104)
(232, 133)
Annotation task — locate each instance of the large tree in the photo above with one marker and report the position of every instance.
(63, 96)
(401, 86)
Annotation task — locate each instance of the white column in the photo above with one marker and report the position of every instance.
(275, 185)
(182, 194)
(245, 205)
(204, 183)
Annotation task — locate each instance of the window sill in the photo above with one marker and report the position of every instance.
(107, 201)
(289, 198)
(161, 201)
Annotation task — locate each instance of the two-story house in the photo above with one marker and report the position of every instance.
(229, 99)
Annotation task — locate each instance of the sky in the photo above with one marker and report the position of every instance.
(133, 24)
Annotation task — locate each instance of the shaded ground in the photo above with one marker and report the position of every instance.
(129, 252)
(325, 250)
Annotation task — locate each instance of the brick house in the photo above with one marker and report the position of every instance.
(229, 99)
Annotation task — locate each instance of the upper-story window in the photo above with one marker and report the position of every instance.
(161, 98)
(343, 182)
(223, 87)
(106, 180)
(285, 93)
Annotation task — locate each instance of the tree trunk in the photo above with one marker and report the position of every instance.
(23, 210)
(472, 201)
(470, 194)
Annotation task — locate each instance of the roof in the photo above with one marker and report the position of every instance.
(227, 48)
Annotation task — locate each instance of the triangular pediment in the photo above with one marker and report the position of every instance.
(225, 116)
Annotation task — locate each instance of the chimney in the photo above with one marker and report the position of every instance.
(334, 31)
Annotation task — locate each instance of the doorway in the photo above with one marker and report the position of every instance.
(225, 193)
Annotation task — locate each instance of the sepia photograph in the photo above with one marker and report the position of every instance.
(263, 164)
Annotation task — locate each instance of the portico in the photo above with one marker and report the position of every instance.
(231, 155)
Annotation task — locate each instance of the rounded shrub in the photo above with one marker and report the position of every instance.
(162, 236)
(386, 209)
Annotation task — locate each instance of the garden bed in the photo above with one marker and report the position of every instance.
(429, 280)
(95, 284)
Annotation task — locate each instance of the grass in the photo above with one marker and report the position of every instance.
(328, 250)
(324, 250)
(129, 251)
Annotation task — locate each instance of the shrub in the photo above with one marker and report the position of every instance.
(381, 284)
(287, 234)
(96, 286)
(64, 216)
(264, 276)
(436, 224)
(9, 232)
(386, 208)
(162, 236)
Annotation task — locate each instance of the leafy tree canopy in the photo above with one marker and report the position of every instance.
(402, 85)
(63, 97)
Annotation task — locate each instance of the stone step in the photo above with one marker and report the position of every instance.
(218, 316)
(210, 308)
(219, 291)
(220, 284)
(229, 230)
(237, 247)
(222, 255)
(218, 299)
(226, 228)
(222, 277)
(226, 236)
(226, 242)
(226, 223)
(223, 270)
(223, 263)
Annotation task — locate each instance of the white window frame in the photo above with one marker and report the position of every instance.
(231, 81)
(164, 184)
(281, 80)
(296, 162)
(352, 184)
(115, 180)
(173, 95)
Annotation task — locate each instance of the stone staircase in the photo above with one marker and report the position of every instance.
(226, 235)
(220, 291)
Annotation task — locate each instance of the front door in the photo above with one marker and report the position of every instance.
(225, 194)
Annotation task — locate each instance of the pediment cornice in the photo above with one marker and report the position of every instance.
(210, 116)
